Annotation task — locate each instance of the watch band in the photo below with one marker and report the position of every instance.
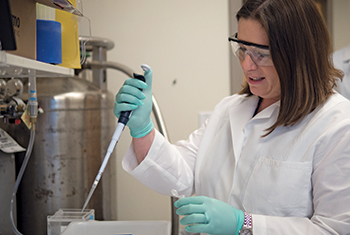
(247, 228)
(248, 222)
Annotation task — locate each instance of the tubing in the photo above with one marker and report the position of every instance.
(20, 175)
(32, 105)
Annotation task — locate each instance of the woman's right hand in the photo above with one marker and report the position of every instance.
(136, 95)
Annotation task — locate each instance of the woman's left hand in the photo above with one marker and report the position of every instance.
(209, 215)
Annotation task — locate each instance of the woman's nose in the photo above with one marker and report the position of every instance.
(248, 63)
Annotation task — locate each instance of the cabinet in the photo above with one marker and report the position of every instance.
(17, 66)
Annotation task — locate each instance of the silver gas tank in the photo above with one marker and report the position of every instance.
(72, 137)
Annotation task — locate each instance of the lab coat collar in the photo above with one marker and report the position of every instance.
(239, 117)
(242, 113)
(269, 111)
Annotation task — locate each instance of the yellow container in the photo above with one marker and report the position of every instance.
(70, 38)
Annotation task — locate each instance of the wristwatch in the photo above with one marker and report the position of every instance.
(247, 228)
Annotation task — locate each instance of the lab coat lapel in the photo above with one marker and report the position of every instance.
(239, 117)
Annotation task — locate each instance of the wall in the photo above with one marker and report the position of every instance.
(341, 23)
(185, 43)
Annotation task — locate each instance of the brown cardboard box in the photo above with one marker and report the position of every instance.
(24, 25)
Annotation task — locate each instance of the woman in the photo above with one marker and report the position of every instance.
(273, 159)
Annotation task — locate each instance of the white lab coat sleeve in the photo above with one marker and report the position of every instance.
(166, 166)
(331, 191)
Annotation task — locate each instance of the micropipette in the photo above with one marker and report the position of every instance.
(123, 119)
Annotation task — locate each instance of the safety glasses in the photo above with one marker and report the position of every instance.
(260, 54)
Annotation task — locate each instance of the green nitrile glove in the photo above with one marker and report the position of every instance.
(130, 97)
(209, 215)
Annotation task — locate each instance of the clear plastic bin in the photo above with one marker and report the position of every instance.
(94, 227)
(58, 222)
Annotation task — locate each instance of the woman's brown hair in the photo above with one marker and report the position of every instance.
(300, 47)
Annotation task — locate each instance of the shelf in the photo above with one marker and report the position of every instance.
(64, 5)
(17, 66)
(67, 6)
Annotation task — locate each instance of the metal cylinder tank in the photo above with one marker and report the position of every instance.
(7, 182)
(72, 137)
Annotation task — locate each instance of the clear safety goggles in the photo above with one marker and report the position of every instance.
(260, 54)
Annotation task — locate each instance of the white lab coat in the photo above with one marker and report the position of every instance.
(294, 181)
(341, 60)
